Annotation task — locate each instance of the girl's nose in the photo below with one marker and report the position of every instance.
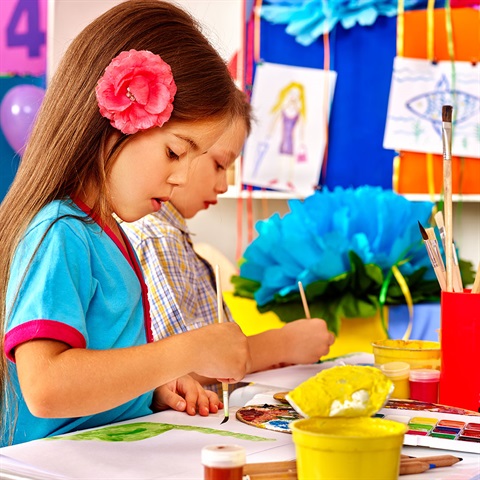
(222, 183)
(179, 176)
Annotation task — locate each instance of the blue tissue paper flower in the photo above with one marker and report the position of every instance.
(309, 19)
(341, 244)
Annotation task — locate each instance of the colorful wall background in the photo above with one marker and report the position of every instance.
(22, 78)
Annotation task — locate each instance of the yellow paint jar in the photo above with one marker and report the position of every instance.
(398, 373)
(335, 448)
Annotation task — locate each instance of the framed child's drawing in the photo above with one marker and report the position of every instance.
(286, 147)
(418, 91)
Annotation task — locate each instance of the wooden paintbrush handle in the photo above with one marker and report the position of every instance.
(270, 467)
(476, 283)
(270, 476)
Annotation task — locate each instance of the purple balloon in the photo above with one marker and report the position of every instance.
(17, 114)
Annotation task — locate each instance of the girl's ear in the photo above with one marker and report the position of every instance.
(111, 140)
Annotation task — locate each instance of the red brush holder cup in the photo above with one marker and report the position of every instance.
(460, 345)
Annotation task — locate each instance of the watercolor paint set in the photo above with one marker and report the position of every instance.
(435, 426)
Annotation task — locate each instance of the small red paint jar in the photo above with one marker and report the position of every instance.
(424, 385)
(223, 462)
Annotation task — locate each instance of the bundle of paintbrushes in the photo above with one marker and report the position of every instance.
(448, 272)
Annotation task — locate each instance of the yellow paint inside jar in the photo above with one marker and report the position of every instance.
(363, 427)
(342, 391)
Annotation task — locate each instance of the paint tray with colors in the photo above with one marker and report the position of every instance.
(436, 426)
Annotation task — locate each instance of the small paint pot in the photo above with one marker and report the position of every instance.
(340, 448)
(398, 373)
(424, 385)
(223, 462)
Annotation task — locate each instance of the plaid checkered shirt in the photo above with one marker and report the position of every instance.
(181, 284)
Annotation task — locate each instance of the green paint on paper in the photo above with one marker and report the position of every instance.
(132, 432)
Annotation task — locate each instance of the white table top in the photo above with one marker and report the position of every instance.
(173, 448)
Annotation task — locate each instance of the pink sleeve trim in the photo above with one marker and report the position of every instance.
(47, 329)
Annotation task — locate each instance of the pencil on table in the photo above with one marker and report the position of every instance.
(414, 466)
(272, 476)
(304, 300)
(437, 460)
(269, 468)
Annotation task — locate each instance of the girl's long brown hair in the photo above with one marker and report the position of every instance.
(66, 148)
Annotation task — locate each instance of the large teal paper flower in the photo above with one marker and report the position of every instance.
(342, 245)
(309, 19)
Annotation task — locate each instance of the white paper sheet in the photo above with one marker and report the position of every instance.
(285, 149)
(418, 91)
(174, 454)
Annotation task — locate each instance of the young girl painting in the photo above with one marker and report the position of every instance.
(181, 284)
(138, 94)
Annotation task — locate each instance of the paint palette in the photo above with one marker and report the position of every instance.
(435, 426)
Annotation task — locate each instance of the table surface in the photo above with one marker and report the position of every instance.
(158, 446)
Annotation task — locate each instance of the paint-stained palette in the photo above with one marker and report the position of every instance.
(270, 417)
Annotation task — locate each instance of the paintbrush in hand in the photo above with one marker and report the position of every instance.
(220, 320)
(304, 300)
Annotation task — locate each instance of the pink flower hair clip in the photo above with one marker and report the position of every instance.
(136, 91)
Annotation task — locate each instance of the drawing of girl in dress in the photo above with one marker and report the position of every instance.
(289, 112)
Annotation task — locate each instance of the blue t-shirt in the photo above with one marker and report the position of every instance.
(82, 288)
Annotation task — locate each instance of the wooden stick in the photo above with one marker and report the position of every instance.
(434, 255)
(476, 283)
(220, 320)
(289, 466)
(271, 476)
(457, 277)
(447, 190)
(304, 300)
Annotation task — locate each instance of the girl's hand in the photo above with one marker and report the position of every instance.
(306, 340)
(225, 354)
(186, 395)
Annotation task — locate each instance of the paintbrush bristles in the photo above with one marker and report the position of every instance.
(422, 231)
(447, 113)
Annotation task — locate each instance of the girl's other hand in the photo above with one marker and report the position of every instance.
(186, 395)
